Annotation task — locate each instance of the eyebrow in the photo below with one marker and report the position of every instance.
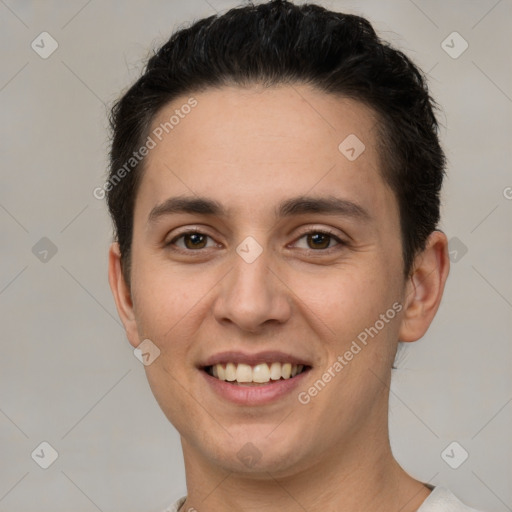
(330, 205)
(193, 205)
(295, 206)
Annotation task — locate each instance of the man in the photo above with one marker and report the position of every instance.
(274, 186)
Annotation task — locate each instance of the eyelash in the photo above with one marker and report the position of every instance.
(326, 232)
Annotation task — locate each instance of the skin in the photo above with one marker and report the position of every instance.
(250, 149)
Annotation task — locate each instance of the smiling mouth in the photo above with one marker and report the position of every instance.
(250, 375)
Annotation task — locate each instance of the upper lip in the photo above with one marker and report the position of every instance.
(253, 359)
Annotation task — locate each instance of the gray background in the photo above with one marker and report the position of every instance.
(69, 377)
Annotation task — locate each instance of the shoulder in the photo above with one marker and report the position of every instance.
(442, 500)
(175, 506)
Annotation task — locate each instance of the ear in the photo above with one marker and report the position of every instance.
(425, 287)
(122, 294)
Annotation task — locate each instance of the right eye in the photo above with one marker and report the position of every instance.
(192, 240)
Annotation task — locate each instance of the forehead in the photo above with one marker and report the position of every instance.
(250, 147)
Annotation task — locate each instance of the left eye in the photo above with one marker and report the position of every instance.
(319, 240)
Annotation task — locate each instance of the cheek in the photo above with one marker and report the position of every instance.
(348, 298)
(165, 298)
(171, 305)
(171, 393)
(168, 306)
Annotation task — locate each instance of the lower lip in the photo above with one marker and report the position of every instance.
(255, 394)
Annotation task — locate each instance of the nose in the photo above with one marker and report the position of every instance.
(253, 296)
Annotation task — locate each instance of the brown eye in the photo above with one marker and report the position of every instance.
(318, 240)
(194, 240)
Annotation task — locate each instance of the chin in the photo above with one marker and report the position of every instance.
(256, 453)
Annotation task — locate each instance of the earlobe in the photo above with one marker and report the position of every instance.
(425, 287)
(122, 294)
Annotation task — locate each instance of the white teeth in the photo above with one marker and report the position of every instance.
(275, 371)
(230, 373)
(260, 373)
(296, 369)
(286, 370)
(221, 372)
(243, 373)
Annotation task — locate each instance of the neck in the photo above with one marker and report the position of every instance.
(361, 475)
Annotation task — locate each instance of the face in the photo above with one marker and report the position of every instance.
(259, 244)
